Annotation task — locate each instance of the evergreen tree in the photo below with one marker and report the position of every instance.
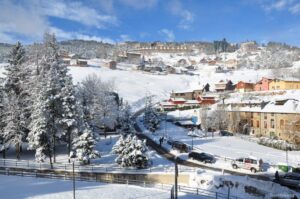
(84, 147)
(131, 152)
(2, 121)
(70, 116)
(40, 136)
(151, 117)
(16, 107)
(125, 121)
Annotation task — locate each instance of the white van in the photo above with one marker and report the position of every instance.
(250, 163)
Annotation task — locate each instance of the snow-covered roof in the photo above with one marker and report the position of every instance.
(286, 106)
(192, 102)
(178, 99)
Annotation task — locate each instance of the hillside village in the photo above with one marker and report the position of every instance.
(176, 96)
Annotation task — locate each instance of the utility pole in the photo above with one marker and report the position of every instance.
(73, 180)
(176, 178)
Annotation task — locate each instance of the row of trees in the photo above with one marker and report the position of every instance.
(39, 105)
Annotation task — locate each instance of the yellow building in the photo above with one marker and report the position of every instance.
(278, 84)
(273, 119)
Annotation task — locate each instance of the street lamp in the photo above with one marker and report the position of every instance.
(176, 177)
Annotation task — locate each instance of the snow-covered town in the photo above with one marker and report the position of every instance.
(160, 115)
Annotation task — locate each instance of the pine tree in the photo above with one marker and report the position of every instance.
(151, 117)
(70, 116)
(16, 117)
(131, 152)
(125, 121)
(40, 136)
(84, 147)
(2, 120)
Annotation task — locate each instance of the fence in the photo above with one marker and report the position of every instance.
(168, 187)
(27, 164)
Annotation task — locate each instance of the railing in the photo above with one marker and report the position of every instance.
(104, 179)
(27, 164)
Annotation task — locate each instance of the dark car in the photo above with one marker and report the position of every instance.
(182, 147)
(202, 157)
(290, 180)
(225, 133)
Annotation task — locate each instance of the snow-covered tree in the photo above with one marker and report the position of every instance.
(125, 121)
(40, 136)
(2, 120)
(131, 152)
(84, 147)
(151, 117)
(70, 119)
(99, 103)
(16, 107)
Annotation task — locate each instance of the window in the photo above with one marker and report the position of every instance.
(251, 123)
(281, 124)
(265, 116)
(265, 124)
(257, 124)
(252, 115)
(272, 114)
(272, 124)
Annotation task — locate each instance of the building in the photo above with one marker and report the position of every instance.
(187, 95)
(263, 84)
(133, 57)
(231, 64)
(109, 64)
(279, 119)
(222, 86)
(74, 60)
(278, 84)
(243, 87)
(249, 46)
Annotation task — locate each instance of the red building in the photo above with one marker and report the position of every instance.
(263, 84)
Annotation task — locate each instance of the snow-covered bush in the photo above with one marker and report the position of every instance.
(277, 144)
(131, 152)
(84, 147)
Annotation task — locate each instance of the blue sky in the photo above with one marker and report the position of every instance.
(151, 20)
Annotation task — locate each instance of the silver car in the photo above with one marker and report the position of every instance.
(249, 163)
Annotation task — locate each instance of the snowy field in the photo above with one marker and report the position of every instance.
(40, 188)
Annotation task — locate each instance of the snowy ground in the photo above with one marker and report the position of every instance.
(217, 182)
(40, 188)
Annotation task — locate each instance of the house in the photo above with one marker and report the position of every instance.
(278, 84)
(182, 62)
(249, 46)
(222, 86)
(243, 87)
(74, 60)
(279, 119)
(109, 64)
(231, 64)
(263, 84)
(133, 57)
(212, 62)
(187, 95)
(177, 101)
(206, 100)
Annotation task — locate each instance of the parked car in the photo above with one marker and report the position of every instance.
(290, 180)
(250, 163)
(182, 147)
(202, 157)
(225, 133)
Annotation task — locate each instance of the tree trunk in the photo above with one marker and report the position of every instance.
(50, 159)
(69, 145)
(18, 150)
(54, 148)
(4, 153)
